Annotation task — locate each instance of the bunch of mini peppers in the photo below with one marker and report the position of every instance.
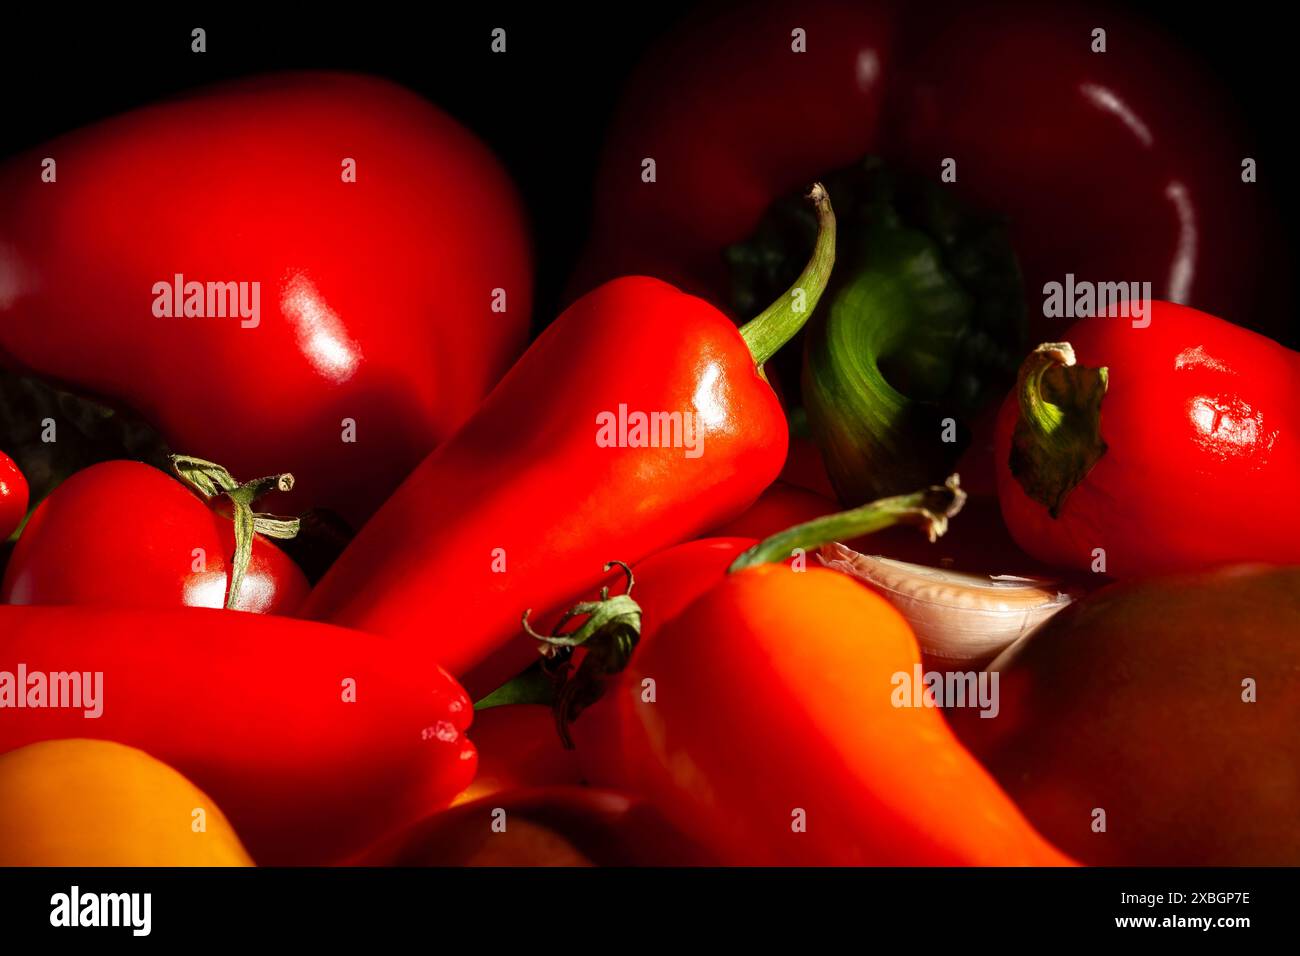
(640, 585)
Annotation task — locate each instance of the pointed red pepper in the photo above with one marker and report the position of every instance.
(552, 477)
(313, 740)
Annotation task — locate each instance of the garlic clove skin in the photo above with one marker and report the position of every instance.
(961, 620)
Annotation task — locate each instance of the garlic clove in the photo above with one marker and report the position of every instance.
(959, 618)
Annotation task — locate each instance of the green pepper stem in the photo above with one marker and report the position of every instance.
(858, 419)
(930, 508)
(1057, 438)
(608, 633)
(778, 323)
(209, 480)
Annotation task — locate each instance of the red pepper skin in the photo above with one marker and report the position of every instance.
(781, 506)
(525, 475)
(375, 298)
(13, 496)
(123, 533)
(760, 120)
(611, 749)
(804, 468)
(1203, 434)
(1012, 92)
(518, 747)
(1072, 146)
(252, 710)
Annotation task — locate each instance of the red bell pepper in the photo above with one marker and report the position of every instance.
(13, 496)
(1067, 144)
(553, 476)
(1135, 450)
(313, 740)
(731, 127)
(387, 306)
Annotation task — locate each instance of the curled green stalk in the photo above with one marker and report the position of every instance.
(1057, 438)
(930, 508)
(922, 326)
(780, 321)
(210, 481)
(569, 681)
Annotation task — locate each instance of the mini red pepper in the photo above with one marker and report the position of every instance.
(799, 756)
(124, 533)
(313, 740)
(13, 496)
(551, 478)
(361, 263)
(1138, 448)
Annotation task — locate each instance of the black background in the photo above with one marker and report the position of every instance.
(739, 910)
(543, 106)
